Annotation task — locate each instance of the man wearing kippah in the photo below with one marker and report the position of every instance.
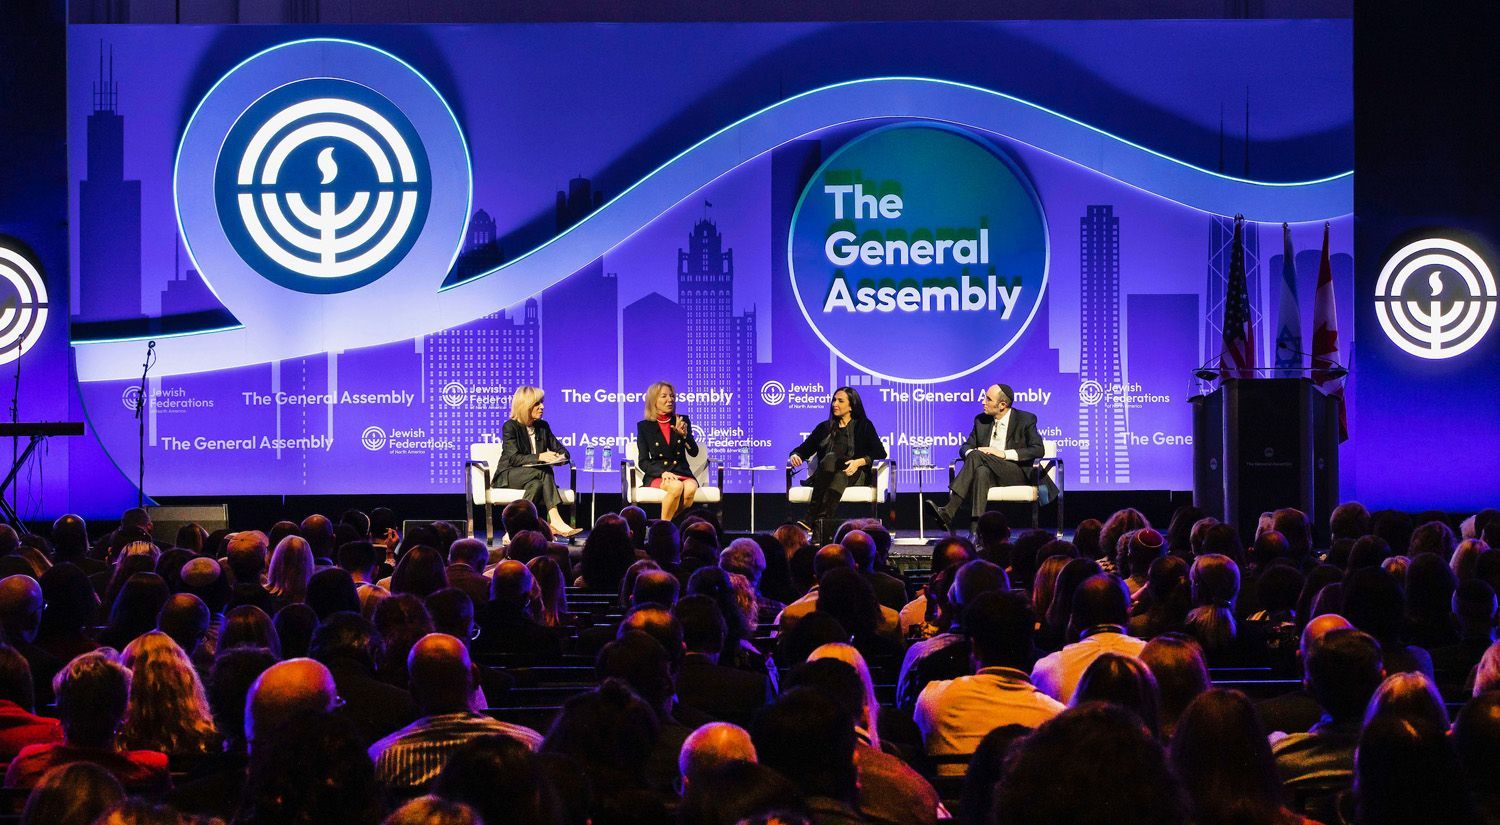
(999, 449)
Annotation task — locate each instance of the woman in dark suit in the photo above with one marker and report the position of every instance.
(664, 440)
(845, 448)
(529, 448)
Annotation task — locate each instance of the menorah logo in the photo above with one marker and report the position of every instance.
(773, 393)
(322, 185)
(1435, 298)
(1090, 392)
(455, 394)
(373, 438)
(23, 304)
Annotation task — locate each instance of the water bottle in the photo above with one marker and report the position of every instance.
(607, 460)
(588, 458)
(745, 457)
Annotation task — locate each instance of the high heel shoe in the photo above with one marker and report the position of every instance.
(564, 531)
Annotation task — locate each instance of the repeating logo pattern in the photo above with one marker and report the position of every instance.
(23, 304)
(322, 185)
(1435, 298)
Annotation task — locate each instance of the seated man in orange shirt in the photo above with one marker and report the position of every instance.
(92, 691)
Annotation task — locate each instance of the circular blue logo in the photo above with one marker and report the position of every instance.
(322, 185)
(918, 252)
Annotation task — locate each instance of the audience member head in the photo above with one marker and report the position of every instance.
(809, 738)
(1180, 529)
(702, 625)
(716, 584)
(1000, 626)
(643, 664)
(1374, 603)
(452, 612)
(815, 630)
(1408, 695)
(1222, 756)
(527, 545)
(512, 586)
(663, 543)
(607, 554)
(1430, 584)
(291, 567)
(400, 621)
(135, 609)
(1142, 547)
(991, 529)
(1475, 605)
(1465, 561)
(312, 767)
(70, 537)
(249, 626)
(951, 551)
(869, 715)
(1126, 774)
(247, 556)
(318, 531)
(710, 748)
(1406, 770)
(1115, 527)
(71, 601)
(627, 582)
(1297, 528)
(1342, 669)
(77, 793)
(420, 572)
(168, 709)
(973, 578)
(1278, 588)
(655, 586)
(744, 556)
(552, 607)
(659, 623)
(1215, 581)
(470, 551)
(609, 730)
(1268, 547)
(1073, 574)
(1181, 674)
(294, 625)
(284, 691)
(1044, 583)
(741, 792)
(16, 684)
(831, 556)
(502, 780)
(1124, 681)
(442, 677)
(331, 590)
(1100, 600)
(92, 694)
(1434, 537)
(518, 516)
(861, 549)
(1476, 736)
(184, 618)
(847, 596)
(1222, 539)
(1350, 520)
(1086, 538)
(229, 681)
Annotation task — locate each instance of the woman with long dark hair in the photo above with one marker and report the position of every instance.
(841, 452)
(1221, 754)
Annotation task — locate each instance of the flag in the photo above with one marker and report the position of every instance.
(1288, 313)
(1238, 357)
(1325, 341)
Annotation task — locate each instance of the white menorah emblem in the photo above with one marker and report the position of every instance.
(322, 240)
(1435, 298)
(23, 304)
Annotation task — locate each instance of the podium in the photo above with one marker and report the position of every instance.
(1260, 444)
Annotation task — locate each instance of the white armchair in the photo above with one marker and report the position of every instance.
(883, 490)
(479, 473)
(710, 480)
(1034, 492)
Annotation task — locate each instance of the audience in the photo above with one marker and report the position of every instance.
(388, 710)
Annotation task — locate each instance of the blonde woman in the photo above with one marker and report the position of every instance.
(867, 724)
(168, 710)
(290, 570)
(529, 449)
(664, 440)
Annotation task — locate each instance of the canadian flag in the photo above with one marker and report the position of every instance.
(1325, 339)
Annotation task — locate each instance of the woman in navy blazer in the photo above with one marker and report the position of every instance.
(664, 440)
(528, 450)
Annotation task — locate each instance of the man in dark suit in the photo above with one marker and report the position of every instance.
(466, 562)
(720, 691)
(997, 453)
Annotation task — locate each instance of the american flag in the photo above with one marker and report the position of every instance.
(1238, 357)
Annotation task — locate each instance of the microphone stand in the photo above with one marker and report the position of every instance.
(140, 417)
(15, 440)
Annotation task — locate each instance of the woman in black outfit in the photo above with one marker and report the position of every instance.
(664, 440)
(529, 449)
(845, 447)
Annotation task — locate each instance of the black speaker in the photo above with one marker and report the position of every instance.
(166, 521)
